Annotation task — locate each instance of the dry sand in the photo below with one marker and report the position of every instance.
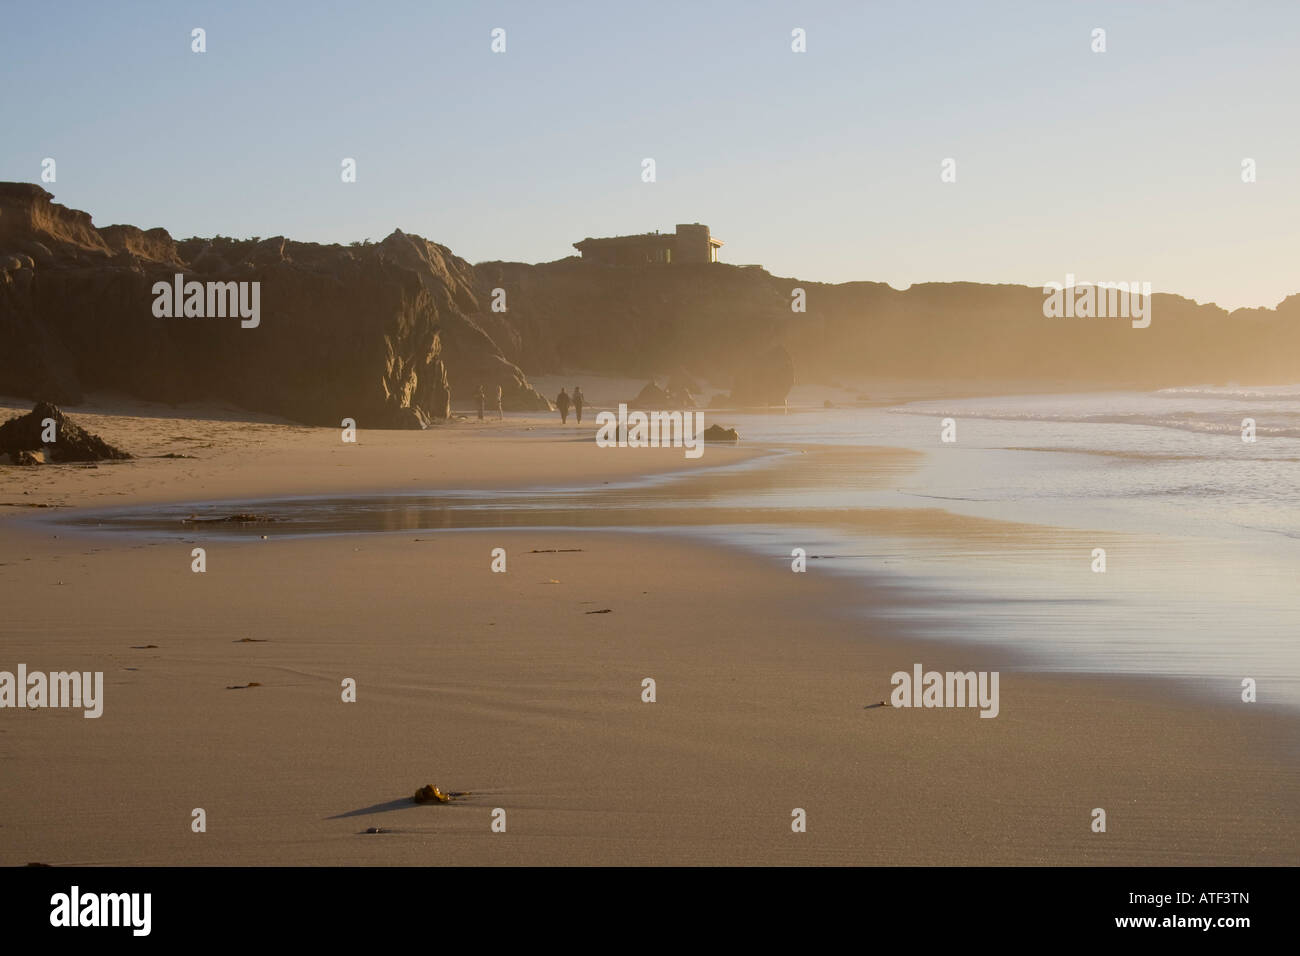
(506, 686)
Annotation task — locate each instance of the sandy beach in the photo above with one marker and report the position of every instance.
(525, 688)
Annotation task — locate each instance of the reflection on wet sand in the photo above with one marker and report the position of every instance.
(783, 488)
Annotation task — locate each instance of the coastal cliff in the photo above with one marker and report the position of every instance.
(717, 321)
(390, 333)
(342, 332)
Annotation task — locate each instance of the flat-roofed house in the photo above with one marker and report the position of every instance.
(691, 243)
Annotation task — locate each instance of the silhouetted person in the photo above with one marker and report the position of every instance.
(482, 403)
(577, 403)
(562, 403)
(501, 408)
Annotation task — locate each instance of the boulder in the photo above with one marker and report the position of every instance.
(651, 397)
(26, 434)
(718, 433)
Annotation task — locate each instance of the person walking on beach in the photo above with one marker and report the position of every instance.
(482, 403)
(577, 403)
(501, 410)
(562, 403)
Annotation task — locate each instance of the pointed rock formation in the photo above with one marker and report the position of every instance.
(70, 442)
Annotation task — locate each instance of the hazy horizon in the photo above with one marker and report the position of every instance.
(823, 165)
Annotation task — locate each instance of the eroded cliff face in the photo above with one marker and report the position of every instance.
(341, 332)
(708, 320)
(470, 353)
(720, 322)
(998, 333)
(387, 333)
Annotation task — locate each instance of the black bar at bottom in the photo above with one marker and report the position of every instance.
(203, 904)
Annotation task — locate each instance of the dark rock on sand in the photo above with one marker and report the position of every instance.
(25, 434)
(718, 433)
(652, 396)
(431, 794)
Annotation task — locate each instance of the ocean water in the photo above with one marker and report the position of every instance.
(1167, 461)
(1201, 530)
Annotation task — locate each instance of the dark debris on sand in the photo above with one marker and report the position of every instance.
(21, 436)
(431, 794)
(242, 517)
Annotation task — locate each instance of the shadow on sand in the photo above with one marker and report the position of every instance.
(376, 808)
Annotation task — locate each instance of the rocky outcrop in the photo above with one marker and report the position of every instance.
(45, 427)
(386, 333)
(692, 322)
(651, 396)
(152, 245)
(711, 320)
(29, 214)
(471, 355)
(343, 331)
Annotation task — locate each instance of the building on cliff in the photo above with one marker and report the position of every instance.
(691, 243)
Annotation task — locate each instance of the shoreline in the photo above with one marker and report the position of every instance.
(522, 689)
(758, 465)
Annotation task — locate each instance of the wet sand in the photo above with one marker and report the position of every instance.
(505, 685)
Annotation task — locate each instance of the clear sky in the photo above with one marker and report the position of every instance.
(825, 165)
